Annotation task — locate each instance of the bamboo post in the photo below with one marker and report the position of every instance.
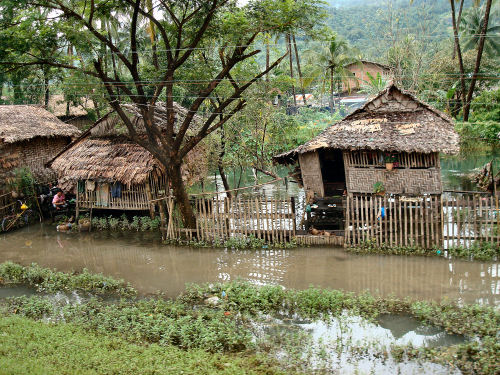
(347, 234)
(358, 217)
(361, 201)
(390, 211)
(384, 221)
(432, 239)
(294, 219)
(412, 241)
(406, 222)
(204, 222)
(459, 221)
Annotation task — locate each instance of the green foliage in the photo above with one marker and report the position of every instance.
(244, 242)
(486, 131)
(378, 187)
(374, 84)
(45, 279)
(138, 223)
(22, 182)
(471, 28)
(486, 107)
(478, 251)
(38, 348)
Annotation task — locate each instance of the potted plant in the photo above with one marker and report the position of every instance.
(378, 188)
(389, 159)
(84, 224)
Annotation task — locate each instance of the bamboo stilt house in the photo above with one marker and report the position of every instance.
(391, 144)
(109, 171)
(29, 137)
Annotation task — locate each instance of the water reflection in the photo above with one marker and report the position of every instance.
(150, 266)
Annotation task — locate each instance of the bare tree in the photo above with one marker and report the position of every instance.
(181, 28)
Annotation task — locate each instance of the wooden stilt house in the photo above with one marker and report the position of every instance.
(389, 147)
(393, 128)
(107, 170)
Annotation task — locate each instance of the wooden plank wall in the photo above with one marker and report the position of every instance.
(427, 221)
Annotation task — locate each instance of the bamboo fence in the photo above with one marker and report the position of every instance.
(443, 221)
(449, 220)
(219, 219)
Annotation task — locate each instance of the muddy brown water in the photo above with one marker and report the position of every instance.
(150, 266)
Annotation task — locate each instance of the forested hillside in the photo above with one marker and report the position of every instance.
(374, 26)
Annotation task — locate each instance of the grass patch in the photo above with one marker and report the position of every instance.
(37, 348)
(45, 279)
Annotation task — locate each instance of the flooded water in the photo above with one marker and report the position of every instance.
(149, 266)
(457, 170)
(349, 344)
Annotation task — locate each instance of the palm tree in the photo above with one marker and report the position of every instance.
(331, 62)
(373, 85)
(471, 28)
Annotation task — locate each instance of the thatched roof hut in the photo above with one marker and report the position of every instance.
(394, 122)
(104, 154)
(29, 137)
(25, 122)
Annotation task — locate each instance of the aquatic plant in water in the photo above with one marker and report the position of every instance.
(45, 279)
(479, 250)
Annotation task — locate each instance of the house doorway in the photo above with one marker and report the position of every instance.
(333, 171)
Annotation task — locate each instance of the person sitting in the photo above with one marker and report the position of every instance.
(59, 200)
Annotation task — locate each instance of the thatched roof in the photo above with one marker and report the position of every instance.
(23, 122)
(105, 153)
(57, 105)
(394, 120)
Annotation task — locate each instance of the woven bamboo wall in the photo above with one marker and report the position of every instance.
(397, 181)
(32, 154)
(416, 173)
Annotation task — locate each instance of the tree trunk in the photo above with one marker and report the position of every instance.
(478, 60)
(220, 164)
(181, 196)
(289, 45)
(46, 92)
(459, 51)
(96, 107)
(268, 57)
(458, 25)
(297, 60)
(331, 90)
